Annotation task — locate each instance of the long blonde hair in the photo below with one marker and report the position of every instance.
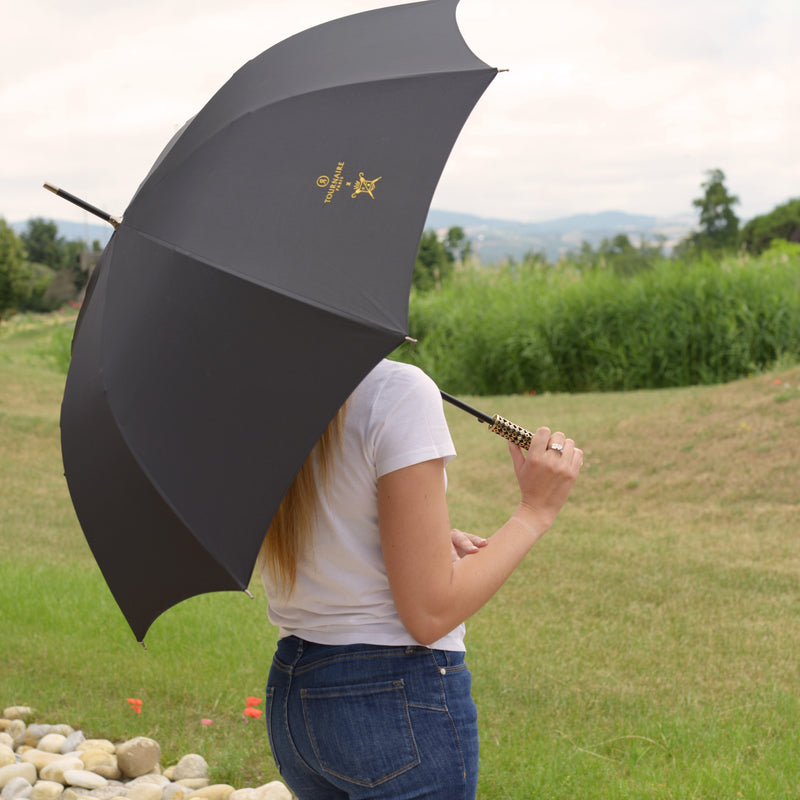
(289, 534)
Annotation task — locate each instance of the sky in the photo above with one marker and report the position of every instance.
(607, 104)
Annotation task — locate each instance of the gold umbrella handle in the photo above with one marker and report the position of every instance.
(511, 431)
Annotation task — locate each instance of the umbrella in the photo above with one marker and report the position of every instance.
(260, 271)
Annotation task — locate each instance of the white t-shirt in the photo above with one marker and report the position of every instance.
(394, 419)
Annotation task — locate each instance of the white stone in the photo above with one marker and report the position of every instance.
(8, 773)
(51, 742)
(193, 783)
(112, 789)
(75, 794)
(72, 742)
(151, 778)
(16, 730)
(110, 772)
(38, 758)
(216, 791)
(242, 794)
(274, 790)
(17, 712)
(7, 755)
(101, 762)
(55, 770)
(84, 779)
(144, 791)
(6, 740)
(190, 766)
(16, 789)
(46, 790)
(34, 733)
(96, 744)
(173, 791)
(138, 756)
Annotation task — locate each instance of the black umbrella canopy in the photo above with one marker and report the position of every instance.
(260, 271)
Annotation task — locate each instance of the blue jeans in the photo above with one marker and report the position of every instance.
(363, 722)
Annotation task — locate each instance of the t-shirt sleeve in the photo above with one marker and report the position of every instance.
(409, 425)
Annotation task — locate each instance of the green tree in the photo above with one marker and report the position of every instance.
(719, 225)
(12, 268)
(625, 258)
(435, 258)
(457, 244)
(783, 222)
(43, 244)
(618, 255)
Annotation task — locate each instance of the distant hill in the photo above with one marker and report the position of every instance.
(494, 240)
(498, 239)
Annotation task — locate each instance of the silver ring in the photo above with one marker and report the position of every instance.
(557, 447)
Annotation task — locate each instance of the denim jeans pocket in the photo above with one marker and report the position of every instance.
(361, 733)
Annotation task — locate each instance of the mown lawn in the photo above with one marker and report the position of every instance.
(647, 648)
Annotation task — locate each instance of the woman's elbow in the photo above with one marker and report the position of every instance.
(425, 628)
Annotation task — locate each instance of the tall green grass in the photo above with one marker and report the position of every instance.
(530, 327)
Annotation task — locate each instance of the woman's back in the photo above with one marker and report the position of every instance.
(341, 596)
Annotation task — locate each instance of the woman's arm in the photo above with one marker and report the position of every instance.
(434, 593)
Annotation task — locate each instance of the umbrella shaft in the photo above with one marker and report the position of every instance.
(468, 408)
(497, 424)
(98, 212)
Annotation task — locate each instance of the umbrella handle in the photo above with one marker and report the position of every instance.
(497, 424)
(511, 431)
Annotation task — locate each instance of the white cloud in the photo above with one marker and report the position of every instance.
(608, 103)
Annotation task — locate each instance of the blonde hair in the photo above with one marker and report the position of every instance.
(289, 534)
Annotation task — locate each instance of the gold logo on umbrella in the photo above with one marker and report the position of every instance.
(364, 186)
(331, 184)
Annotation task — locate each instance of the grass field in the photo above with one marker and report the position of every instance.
(647, 648)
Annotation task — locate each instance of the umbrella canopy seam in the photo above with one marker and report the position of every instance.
(197, 120)
(399, 331)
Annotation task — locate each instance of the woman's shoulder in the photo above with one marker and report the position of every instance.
(398, 378)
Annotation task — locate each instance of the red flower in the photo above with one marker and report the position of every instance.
(253, 713)
(252, 701)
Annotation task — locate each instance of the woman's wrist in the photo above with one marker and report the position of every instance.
(529, 520)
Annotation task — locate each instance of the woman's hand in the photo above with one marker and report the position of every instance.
(546, 475)
(465, 544)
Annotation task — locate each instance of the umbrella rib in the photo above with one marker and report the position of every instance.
(205, 138)
(400, 331)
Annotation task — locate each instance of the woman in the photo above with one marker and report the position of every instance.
(369, 695)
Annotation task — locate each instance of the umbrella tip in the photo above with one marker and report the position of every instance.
(249, 594)
(51, 187)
